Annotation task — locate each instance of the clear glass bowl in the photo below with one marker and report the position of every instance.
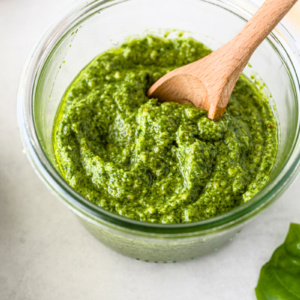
(85, 30)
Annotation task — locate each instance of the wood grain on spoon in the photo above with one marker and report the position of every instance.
(208, 82)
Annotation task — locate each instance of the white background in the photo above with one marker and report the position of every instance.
(44, 251)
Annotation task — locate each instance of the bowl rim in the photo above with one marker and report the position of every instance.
(76, 13)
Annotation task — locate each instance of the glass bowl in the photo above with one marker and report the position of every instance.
(87, 29)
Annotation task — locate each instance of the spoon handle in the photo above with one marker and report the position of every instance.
(260, 25)
(234, 56)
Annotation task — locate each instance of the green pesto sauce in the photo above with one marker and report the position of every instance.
(160, 162)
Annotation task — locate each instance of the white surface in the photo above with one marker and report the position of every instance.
(44, 251)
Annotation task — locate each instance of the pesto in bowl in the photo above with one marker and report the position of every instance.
(160, 162)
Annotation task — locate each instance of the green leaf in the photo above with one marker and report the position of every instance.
(280, 277)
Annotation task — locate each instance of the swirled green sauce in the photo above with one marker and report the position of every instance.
(160, 162)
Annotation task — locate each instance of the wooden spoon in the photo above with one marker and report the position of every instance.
(208, 82)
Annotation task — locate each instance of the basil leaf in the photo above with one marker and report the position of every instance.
(280, 277)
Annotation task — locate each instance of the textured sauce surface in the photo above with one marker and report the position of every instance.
(160, 162)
